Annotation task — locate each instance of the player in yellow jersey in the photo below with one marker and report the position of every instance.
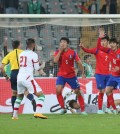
(12, 58)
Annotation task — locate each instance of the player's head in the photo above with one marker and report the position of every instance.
(16, 44)
(64, 42)
(113, 43)
(87, 58)
(73, 104)
(105, 41)
(30, 44)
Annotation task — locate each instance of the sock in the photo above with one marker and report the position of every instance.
(111, 101)
(16, 106)
(100, 100)
(61, 100)
(13, 98)
(30, 97)
(108, 104)
(81, 102)
(39, 103)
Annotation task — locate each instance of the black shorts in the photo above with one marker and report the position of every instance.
(13, 79)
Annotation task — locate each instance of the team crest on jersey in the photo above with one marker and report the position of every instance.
(71, 56)
(118, 56)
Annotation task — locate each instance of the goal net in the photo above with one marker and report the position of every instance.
(47, 33)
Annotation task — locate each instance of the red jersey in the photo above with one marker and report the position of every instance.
(66, 63)
(102, 59)
(114, 58)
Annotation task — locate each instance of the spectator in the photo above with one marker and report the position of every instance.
(87, 66)
(34, 7)
(113, 7)
(11, 6)
(93, 7)
(1, 8)
(105, 8)
(51, 68)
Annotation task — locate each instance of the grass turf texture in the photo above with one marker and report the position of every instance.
(61, 124)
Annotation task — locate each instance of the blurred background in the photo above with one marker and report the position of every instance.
(59, 6)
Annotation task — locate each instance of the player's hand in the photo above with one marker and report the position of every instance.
(61, 49)
(116, 69)
(81, 44)
(7, 78)
(101, 32)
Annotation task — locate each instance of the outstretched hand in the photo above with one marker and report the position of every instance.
(81, 44)
(101, 32)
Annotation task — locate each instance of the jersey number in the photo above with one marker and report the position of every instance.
(23, 61)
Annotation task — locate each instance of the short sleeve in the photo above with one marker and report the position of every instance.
(6, 60)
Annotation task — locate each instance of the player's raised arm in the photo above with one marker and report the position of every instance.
(36, 63)
(87, 50)
(80, 64)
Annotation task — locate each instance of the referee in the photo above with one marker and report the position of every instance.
(12, 58)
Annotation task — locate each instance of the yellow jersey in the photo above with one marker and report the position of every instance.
(12, 58)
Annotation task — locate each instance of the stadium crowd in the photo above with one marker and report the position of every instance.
(59, 7)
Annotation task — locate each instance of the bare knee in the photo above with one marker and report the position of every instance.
(14, 93)
(59, 89)
(109, 90)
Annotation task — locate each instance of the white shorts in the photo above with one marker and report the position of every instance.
(31, 86)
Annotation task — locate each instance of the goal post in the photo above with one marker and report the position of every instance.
(47, 31)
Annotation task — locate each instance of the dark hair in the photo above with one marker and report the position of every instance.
(71, 102)
(113, 40)
(86, 57)
(15, 44)
(105, 37)
(30, 41)
(66, 39)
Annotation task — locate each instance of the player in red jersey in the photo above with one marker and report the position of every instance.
(114, 80)
(102, 70)
(66, 74)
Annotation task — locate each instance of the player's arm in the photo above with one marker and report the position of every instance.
(36, 63)
(87, 50)
(5, 61)
(72, 111)
(77, 59)
(58, 54)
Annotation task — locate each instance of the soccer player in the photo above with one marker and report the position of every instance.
(72, 104)
(25, 81)
(102, 69)
(114, 81)
(12, 58)
(66, 74)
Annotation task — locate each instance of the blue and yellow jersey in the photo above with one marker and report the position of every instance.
(12, 58)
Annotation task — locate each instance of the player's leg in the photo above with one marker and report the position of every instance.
(111, 84)
(60, 82)
(16, 106)
(20, 92)
(13, 81)
(33, 87)
(100, 81)
(73, 82)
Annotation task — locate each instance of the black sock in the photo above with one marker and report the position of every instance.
(30, 97)
(13, 98)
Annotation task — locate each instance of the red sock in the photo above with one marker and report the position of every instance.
(81, 102)
(111, 101)
(108, 104)
(100, 101)
(61, 100)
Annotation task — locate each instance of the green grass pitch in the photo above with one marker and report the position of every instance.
(61, 124)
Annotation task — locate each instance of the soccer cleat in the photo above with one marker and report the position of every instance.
(34, 105)
(37, 115)
(84, 113)
(100, 112)
(115, 112)
(14, 118)
(63, 111)
(108, 110)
